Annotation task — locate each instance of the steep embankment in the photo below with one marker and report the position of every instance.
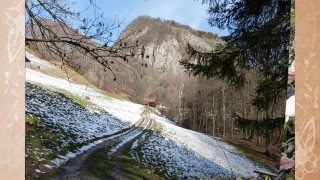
(81, 132)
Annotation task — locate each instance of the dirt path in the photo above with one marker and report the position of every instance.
(116, 170)
(77, 167)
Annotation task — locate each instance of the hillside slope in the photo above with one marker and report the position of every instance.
(66, 120)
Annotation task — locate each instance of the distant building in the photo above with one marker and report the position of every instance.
(152, 102)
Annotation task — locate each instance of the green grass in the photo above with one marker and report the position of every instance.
(134, 170)
(157, 127)
(38, 140)
(42, 142)
(148, 110)
(254, 155)
(99, 162)
(290, 176)
(83, 102)
(31, 119)
(119, 96)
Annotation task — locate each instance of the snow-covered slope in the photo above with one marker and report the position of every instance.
(59, 111)
(66, 127)
(124, 110)
(64, 124)
(167, 148)
(183, 153)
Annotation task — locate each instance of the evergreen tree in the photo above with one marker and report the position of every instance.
(258, 42)
(259, 39)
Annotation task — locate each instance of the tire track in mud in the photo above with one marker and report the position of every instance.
(76, 168)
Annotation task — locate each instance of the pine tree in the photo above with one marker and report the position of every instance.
(259, 39)
(258, 42)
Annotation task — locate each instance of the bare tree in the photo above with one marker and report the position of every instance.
(223, 110)
(213, 117)
(57, 30)
(180, 94)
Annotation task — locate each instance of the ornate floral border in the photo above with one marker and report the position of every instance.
(307, 46)
(12, 80)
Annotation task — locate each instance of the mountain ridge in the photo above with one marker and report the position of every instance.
(164, 41)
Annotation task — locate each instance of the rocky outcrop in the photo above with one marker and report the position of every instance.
(163, 42)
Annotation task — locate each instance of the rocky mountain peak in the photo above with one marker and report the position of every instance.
(163, 42)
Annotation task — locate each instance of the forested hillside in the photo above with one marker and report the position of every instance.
(80, 132)
(158, 94)
(152, 70)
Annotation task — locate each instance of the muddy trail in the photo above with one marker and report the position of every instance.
(88, 164)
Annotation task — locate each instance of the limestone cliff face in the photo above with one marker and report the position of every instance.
(163, 43)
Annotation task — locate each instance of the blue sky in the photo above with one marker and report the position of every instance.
(189, 12)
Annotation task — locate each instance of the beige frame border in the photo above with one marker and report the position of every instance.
(12, 76)
(12, 124)
(307, 46)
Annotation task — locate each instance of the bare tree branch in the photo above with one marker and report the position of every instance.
(57, 31)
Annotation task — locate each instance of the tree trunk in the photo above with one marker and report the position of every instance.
(232, 129)
(258, 137)
(246, 134)
(182, 111)
(223, 111)
(193, 114)
(213, 119)
(206, 125)
(181, 87)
